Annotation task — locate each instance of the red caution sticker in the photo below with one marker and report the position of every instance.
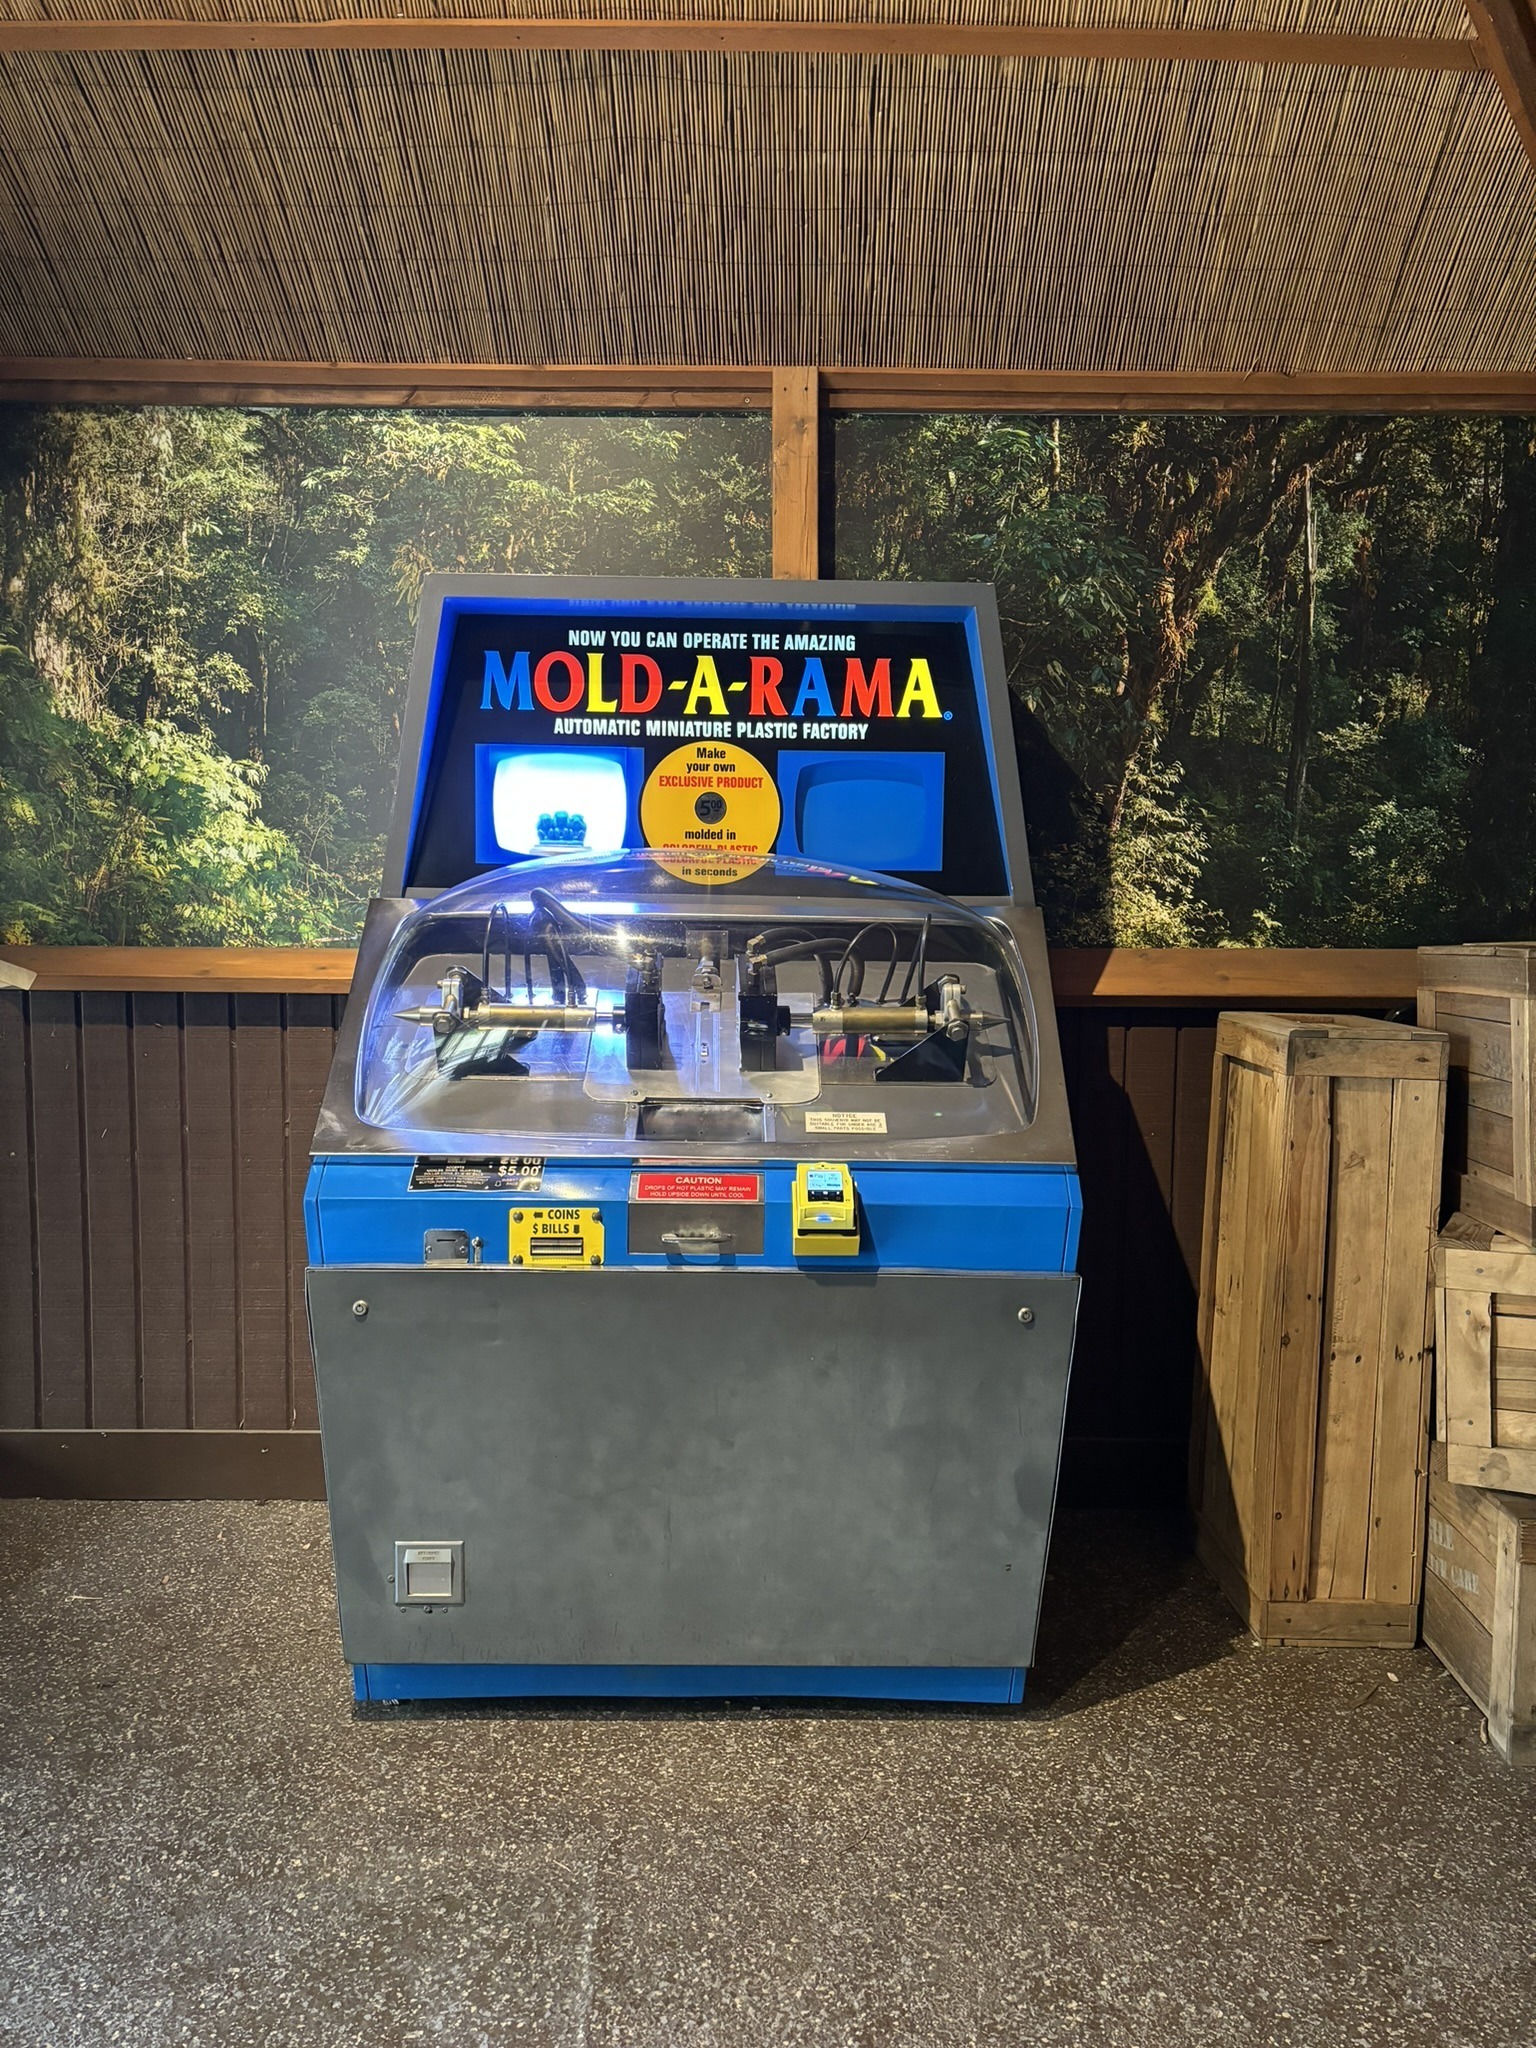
(698, 1187)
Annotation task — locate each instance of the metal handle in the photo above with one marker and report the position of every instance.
(709, 1237)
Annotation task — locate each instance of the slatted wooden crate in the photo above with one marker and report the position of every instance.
(1311, 1421)
(1485, 1345)
(1484, 999)
(1480, 1603)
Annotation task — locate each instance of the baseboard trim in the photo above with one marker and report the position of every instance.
(161, 1464)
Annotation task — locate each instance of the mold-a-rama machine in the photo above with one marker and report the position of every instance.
(693, 1214)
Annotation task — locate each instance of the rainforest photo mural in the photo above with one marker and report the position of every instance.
(1274, 678)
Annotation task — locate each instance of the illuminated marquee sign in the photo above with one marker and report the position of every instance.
(714, 728)
(564, 684)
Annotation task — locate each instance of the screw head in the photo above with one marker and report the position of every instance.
(1026, 1315)
(359, 1309)
(517, 1215)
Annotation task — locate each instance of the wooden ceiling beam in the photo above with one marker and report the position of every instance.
(816, 38)
(1506, 35)
(686, 388)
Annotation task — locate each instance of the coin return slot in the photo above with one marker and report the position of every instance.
(429, 1574)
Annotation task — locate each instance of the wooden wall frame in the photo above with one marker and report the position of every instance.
(574, 387)
(1107, 977)
(795, 397)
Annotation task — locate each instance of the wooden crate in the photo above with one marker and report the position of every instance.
(1311, 1423)
(1484, 999)
(1480, 1603)
(1485, 1363)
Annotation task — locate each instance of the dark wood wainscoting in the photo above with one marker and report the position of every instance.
(153, 1151)
(152, 1165)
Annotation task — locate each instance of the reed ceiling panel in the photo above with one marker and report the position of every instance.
(586, 207)
(1310, 17)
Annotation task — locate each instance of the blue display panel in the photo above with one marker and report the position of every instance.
(873, 810)
(544, 800)
(869, 725)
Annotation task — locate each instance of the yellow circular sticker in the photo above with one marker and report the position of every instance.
(712, 809)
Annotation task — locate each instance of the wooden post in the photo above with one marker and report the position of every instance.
(796, 465)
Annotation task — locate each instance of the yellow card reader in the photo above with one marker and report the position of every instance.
(823, 1222)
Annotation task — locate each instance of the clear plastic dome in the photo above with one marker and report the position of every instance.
(654, 1000)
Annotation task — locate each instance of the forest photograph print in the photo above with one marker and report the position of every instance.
(1273, 678)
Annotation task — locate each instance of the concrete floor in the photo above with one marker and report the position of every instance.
(1179, 1840)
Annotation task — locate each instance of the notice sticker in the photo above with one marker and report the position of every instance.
(853, 1123)
(509, 1176)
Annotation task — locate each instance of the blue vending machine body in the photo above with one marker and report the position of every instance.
(693, 1218)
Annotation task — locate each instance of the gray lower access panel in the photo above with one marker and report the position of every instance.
(649, 1467)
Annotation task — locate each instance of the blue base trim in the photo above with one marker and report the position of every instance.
(991, 1687)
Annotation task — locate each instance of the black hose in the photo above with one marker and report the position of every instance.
(497, 910)
(918, 963)
(556, 912)
(856, 981)
(571, 925)
(563, 925)
(576, 987)
(565, 978)
(802, 949)
(819, 950)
